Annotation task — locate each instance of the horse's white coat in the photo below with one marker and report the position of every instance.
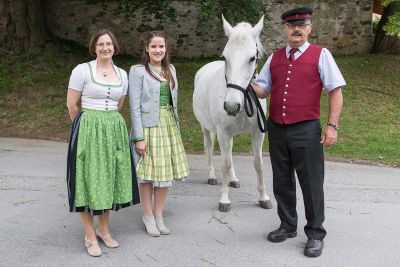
(212, 100)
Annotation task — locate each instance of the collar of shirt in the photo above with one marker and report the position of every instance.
(93, 65)
(156, 72)
(302, 48)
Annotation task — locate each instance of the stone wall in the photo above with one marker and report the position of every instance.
(345, 27)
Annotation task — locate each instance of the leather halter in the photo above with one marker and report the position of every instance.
(250, 95)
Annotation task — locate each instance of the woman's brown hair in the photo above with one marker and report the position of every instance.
(96, 36)
(165, 63)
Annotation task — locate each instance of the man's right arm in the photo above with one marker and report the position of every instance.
(259, 91)
(262, 85)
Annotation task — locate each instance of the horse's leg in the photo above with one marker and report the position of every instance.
(233, 180)
(209, 138)
(226, 155)
(257, 143)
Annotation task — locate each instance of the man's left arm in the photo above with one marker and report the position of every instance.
(329, 136)
(333, 81)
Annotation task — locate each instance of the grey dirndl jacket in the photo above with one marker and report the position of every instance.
(144, 102)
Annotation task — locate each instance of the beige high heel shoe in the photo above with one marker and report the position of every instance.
(93, 248)
(150, 225)
(161, 226)
(107, 239)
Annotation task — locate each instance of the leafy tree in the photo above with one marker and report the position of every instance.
(161, 9)
(25, 25)
(387, 36)
(392, 27)
(234, 11)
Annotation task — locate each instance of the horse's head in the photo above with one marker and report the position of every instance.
(241, 53)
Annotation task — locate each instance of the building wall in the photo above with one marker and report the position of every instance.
(344, 27)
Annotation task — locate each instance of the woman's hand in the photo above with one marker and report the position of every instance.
(73, 98)
(140, 147)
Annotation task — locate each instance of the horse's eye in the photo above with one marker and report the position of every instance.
(252, 59)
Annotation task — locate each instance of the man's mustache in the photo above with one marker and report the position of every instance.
(296, 34)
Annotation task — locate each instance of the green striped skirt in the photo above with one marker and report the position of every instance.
(103, 178)
(165, 158)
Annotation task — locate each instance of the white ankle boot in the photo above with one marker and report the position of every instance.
(150, 225)
(161, 226)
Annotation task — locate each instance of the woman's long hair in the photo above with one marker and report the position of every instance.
(165, 63)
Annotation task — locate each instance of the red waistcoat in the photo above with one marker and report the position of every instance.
(296, 87)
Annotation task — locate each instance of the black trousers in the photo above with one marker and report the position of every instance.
(296, 147)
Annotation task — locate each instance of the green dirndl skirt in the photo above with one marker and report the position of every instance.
(165, 159)
(100, 176)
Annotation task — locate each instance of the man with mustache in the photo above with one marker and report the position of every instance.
(294, 77)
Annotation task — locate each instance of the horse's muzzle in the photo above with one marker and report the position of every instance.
(231, 108)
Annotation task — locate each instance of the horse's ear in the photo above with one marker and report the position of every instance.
(227, 27)
(258, 27)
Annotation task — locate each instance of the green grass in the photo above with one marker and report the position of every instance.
(33, 94)
(370, 121)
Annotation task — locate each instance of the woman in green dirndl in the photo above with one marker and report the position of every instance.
(100, 176)
(158, 150)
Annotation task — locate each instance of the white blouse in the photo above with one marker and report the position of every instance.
(98, 94)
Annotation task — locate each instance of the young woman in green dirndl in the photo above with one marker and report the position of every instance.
(100, 176)
(158, 151)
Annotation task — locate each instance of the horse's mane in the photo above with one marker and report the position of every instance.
(241, 34)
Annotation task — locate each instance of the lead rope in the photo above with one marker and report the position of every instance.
(250, 95)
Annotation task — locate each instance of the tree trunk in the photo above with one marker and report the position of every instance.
(25, 25)
(384, 43)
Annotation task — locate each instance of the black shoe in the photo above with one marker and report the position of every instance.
(313, 248)
(280, 235)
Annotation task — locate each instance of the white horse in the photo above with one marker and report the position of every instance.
(220, 110)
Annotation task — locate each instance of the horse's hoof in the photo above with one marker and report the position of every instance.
(212, 181)
(224, 207)
(267, 204)
(234, 184)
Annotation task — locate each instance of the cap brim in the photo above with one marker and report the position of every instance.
(297, 21)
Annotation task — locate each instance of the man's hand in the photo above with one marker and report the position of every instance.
(259, 91)
(329, 136)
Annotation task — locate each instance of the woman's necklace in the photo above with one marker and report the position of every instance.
(105, 73)
(157, 73)
(105, 69)
(160, 73)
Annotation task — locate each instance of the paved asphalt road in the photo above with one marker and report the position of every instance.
(362, 218)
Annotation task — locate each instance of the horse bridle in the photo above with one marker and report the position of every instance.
(249, 95)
